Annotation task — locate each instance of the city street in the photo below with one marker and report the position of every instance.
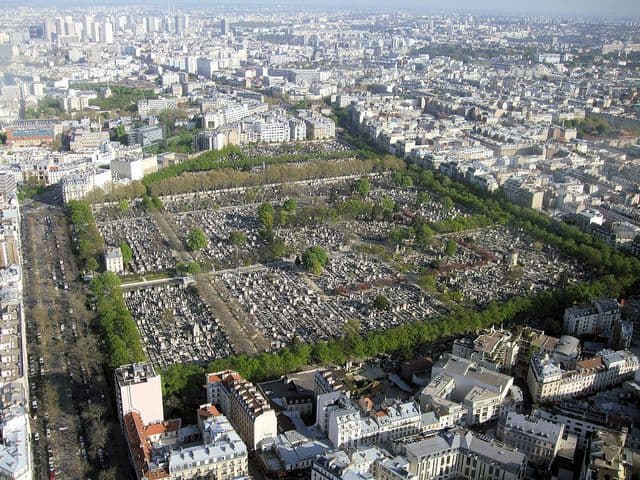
(73, 417)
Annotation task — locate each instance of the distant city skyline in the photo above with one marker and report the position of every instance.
(574, 8)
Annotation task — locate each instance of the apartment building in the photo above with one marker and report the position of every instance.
(492, 349)
(549, 381)
(139, 390)
(15, 444)
(133, 166)
(297, 129)
(320, 128)
(78, 185)
(150, 107)
(245, 406)
(580, 419)
(222, 455)
(272, 130)
(597, 318)
(393, 469)
(518, 192)
(460, 454)
(355, 464)
(346, 426)
(166, 450)
(538, 439)
(325, 381)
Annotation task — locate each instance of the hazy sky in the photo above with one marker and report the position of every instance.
(609, 8)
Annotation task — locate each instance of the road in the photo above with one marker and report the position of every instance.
(76, 433)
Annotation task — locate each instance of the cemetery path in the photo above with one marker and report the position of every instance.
(168, 232)
(243, 335)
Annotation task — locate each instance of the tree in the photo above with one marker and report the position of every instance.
(119, 134)
(447, 203)
(266, 215)
(193, 268)
(422, 198)
(123, 206)
(427, 282)
(315, 259)
(424, 236)
(290, 205)
(127, 253)
(397, 235)
(450, 248)
(237, 238)
(197, 240)
(277, 248)
(363, 187)
(92, 264)
(381, 302)
(157, 203)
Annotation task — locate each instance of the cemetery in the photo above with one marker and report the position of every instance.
(374, 278)
(176, 325)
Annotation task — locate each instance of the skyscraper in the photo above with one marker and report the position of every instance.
(181, 24)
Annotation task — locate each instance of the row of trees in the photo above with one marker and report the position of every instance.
(230, 176)
(119, 332)
(87, 239)
(117, 193)
(233, 156)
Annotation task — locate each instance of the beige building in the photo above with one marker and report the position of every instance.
(538, 439)
(460, 454)
(245, 406)
(606, 457)
(319, 128)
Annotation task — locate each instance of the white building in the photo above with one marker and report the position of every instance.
(139, 389)
(549, 381)
(15, 446)
(222, 455)
(298, 130)
(133, 167)
(343, 422)
(272, 130)
(356, 464)
(481, 391)
(147, 108)
(113, 260)
(78, 185)
(592, 319)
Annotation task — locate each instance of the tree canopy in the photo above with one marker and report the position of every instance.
(197, 240)
(314, 259)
